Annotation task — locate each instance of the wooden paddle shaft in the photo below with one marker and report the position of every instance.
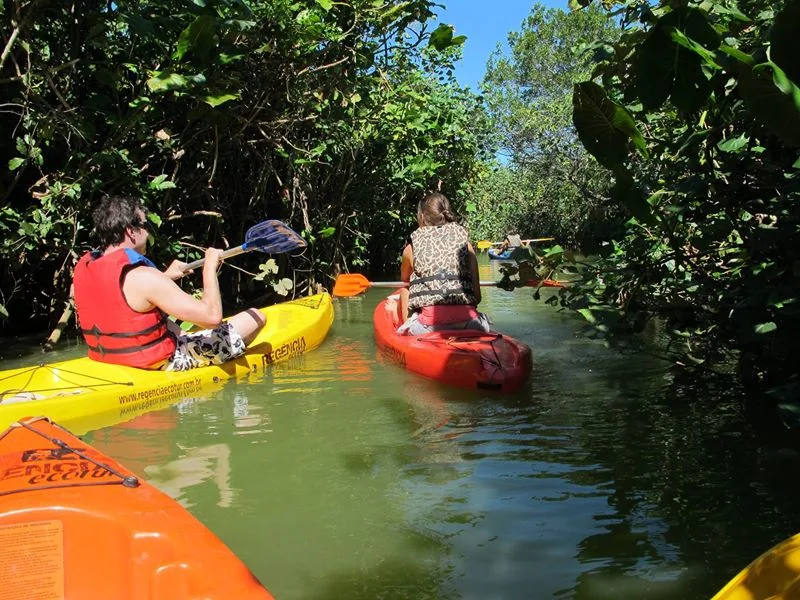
(227, 254)
(544, 239)
(391, 284)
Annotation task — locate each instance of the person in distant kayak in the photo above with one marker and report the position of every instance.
(511, 241)
(441, 269)
(123, 301)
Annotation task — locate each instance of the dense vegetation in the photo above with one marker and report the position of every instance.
(547, 183)
(219, 113)
(695, 112)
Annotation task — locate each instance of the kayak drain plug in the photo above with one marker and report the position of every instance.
(130, 482)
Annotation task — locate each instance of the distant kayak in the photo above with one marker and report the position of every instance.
(76, 524)
(495, 255)
(464, 358)
(775, 574)
(101, 393)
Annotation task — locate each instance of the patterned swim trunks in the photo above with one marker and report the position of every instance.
(206, 347)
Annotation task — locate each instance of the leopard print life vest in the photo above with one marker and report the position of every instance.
(441, 267)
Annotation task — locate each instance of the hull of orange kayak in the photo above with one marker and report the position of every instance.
(76, 524)
(463, 358)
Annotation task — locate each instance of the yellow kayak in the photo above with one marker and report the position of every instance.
(77, 391)
(774, 575)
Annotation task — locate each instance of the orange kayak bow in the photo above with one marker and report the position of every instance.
(76, 524)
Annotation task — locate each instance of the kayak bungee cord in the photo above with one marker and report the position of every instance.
(60, 371)
(128, 481)
(478, 339)
(455, 341)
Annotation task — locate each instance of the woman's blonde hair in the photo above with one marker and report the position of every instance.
(434, 209)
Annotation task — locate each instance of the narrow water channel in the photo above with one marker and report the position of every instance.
(339, 475)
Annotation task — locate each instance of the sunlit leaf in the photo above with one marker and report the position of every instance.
(733, 144)
(767, 327)
(199, 38)
(442, 37)
(283, 287)
(221, 99)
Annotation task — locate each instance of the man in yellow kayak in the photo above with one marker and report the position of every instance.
(123, 300)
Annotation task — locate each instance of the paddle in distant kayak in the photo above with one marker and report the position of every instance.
(353, 284)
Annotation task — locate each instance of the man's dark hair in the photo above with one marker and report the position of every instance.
(113, 216)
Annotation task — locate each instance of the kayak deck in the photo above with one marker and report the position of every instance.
(775, 575)
(73, 391)
(463, 358)
(76, 524)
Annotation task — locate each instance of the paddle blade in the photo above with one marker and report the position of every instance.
(272, 237)
(484, 245)
(544, 283)
(350, 284)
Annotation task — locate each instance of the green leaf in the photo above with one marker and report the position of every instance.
(327, 232)
(160, 183)
(199, 38)
(627, 193)
(221, 99)
(733, 144)
(668, 63)
(166, 81)
(736, 54)
(141, 26)
(3, 312)
(587, 314)
(442, 37)
(326, 5)
(603, 125)
(15, 163)
(767, 327)
(768, 103)
(783, 40)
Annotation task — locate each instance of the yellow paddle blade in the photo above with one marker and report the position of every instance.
(484, 245)
(350, 284)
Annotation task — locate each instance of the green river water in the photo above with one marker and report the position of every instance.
(338, 475)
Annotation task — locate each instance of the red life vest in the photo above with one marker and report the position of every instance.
(114, 332)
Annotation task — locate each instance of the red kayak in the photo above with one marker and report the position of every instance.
(464, 358)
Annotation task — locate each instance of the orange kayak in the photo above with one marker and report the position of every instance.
(76, 524)
(463, 358)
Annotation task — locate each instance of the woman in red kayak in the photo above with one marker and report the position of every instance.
(441, 269)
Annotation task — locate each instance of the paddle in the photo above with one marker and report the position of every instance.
(486, 244)
(271, 237)
(353, 284)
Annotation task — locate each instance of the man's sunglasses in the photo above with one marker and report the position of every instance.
(142, 224)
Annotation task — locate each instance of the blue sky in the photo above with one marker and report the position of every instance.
(485, 23)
